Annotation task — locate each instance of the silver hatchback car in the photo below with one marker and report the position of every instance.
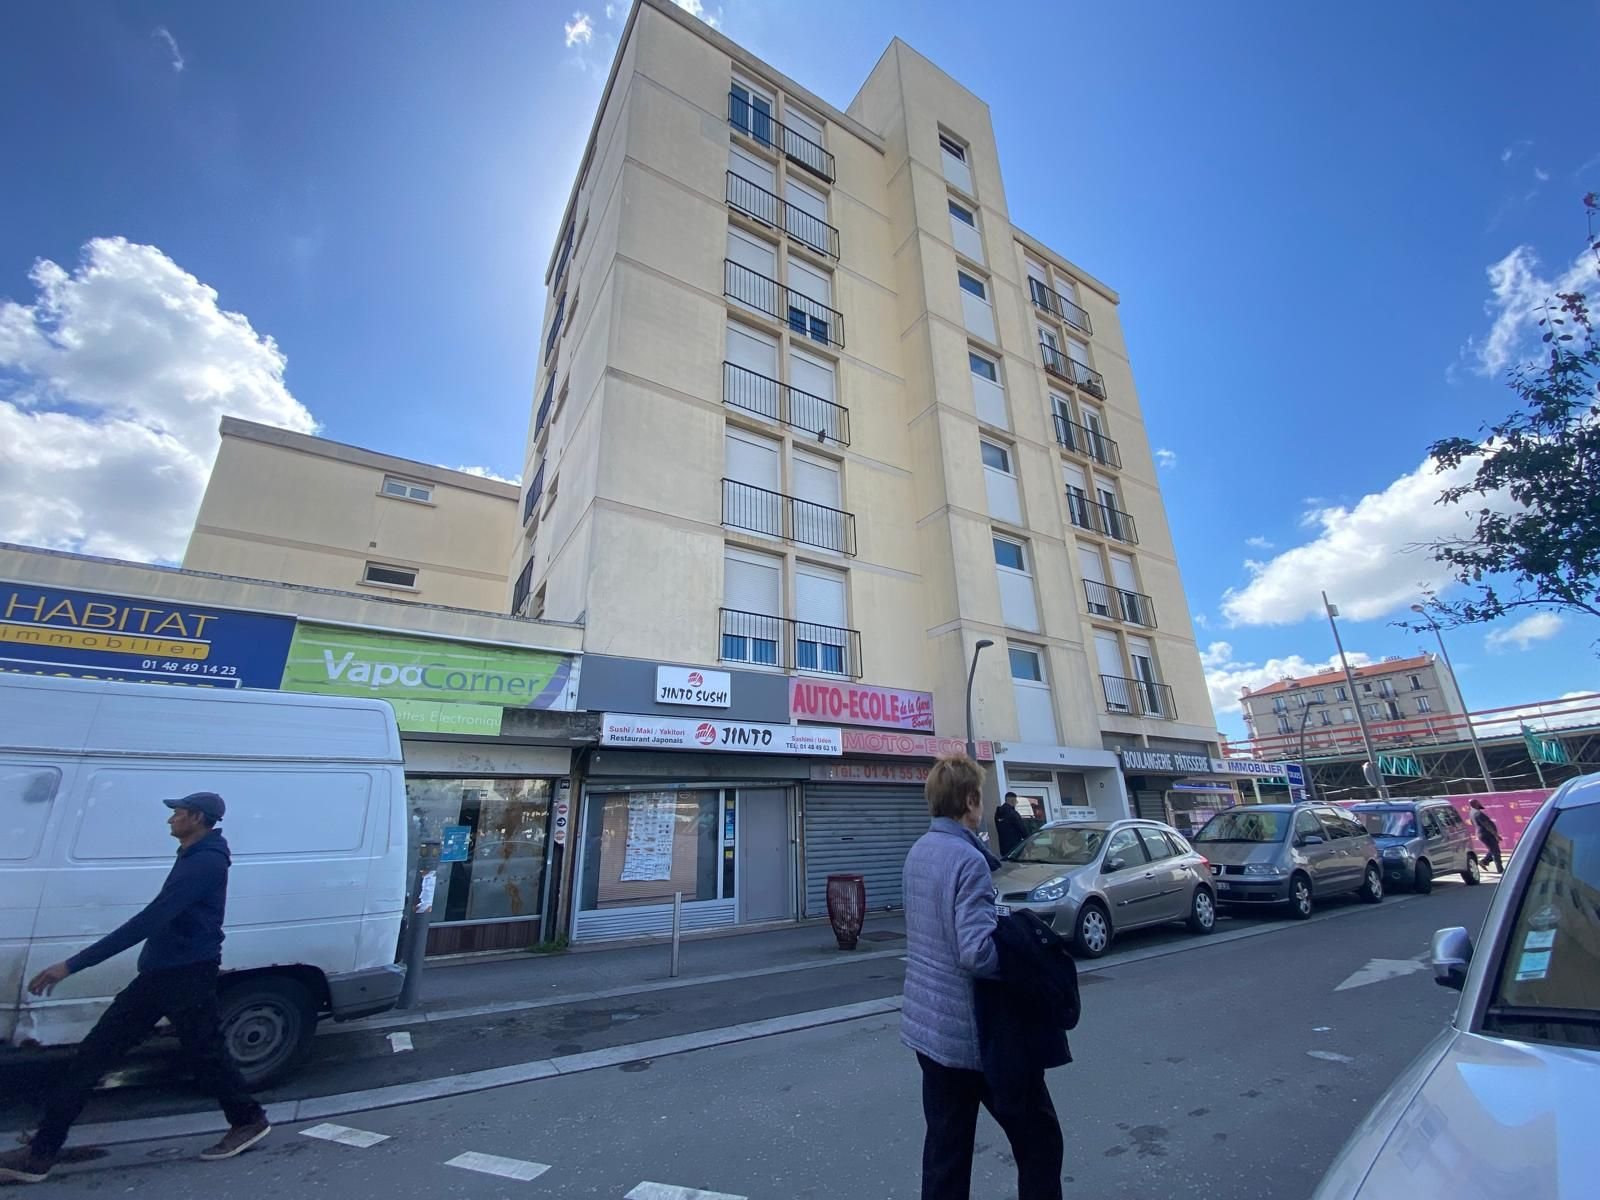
(1091, 880)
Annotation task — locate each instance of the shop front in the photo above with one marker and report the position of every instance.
(1062, 783)
(1185, 788)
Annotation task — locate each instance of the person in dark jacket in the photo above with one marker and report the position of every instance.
(1008, 823)
(1488, 834)
(177, 978)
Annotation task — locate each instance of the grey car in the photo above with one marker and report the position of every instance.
(1419, 840)
(1291, 854)
(1091, 880)
(1505, 1101)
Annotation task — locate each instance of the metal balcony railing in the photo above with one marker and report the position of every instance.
(808, 317)
(1101, 518)
(561, 262)
(1118, 603)
(760, 127)
(524, 585)
(530, 503)
(755, 393)
(545, 405)
(1073, 371)
(1058, 306)
(755, 202)
(1082, 440)
(555, 329)
(1138, 697)
(768, 641)
(745, 506)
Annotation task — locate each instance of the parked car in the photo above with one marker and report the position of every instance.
(1289, 854)
(1096, 879)
(1505, 1101)
(1418, 840)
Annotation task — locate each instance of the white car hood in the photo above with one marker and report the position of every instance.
(1476, 1116)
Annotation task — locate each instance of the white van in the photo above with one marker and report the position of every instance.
(316, 823)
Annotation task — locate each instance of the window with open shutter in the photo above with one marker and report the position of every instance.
(752, 587)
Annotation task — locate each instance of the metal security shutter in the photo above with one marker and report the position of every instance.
(1150, 806)
(860, 831)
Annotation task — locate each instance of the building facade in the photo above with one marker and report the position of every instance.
(1396, 695)
(300, 509)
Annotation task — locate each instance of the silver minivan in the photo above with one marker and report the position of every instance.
(1289, 854)
(1419, 840)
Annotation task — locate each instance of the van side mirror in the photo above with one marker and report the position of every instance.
(1309, 839)
(1450, 955)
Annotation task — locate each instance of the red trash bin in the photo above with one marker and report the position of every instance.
(847, 908)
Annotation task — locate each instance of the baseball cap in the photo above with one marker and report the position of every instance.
(206, 803)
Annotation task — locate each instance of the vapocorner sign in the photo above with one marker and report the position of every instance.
(640, 732)
(693, 686)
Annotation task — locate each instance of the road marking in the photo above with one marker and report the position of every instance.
(493, 1164)
(667, 1191)
(399, 1043)
(1329, 1056)
(344, 1135)
(1380, 969)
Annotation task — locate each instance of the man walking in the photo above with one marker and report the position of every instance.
(182, 934)
(1008, 823)
(1488, 834)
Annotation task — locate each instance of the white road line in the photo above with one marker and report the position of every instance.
(399, 1043)
(667, 1191)
(344, 1135)
(1329, 1056)
(493, 1164)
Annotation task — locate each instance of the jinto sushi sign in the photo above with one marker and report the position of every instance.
(737, 737)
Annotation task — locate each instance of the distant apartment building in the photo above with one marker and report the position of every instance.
(299, 509)
(1395, 695)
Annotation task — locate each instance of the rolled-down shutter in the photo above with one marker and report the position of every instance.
(1150, 806)
(860, 831)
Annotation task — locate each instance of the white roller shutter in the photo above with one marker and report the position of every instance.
(865, 831)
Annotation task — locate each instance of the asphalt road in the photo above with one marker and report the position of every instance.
(1227, 1068)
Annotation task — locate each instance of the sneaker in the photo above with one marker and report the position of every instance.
(24, 1166)
(237, 1140)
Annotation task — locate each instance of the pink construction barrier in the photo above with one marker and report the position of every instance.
(1511, 811)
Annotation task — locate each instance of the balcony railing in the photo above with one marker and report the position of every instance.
(1133, 607)
(1082, 440)
(1138, 697)
(773, 210)
(760, 127)
(555, 329)
(790, 645)
(808, 317)
(1058, 306)
(1101, 518)
(1073, 371)
(745, 506)
(755, 393)
(544, 406)
(524, 585)
(530, 503)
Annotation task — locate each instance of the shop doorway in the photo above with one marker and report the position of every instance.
(766, 857)
(1037, 802)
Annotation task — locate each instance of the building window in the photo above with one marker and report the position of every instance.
(1018, 607)
(750, 112)
(387, 576)
(1279, 705)
(507, 822)
(821, 639)
(995, 457)
(1424, 704)
(1320, 696)
(752, 595)
(965, 216)
(1416, 683)
(1340, 694)
(982, 367)
(1026, 665)
(988, 393)
(1283, 723)
(1373, 712)
(404, 489)
(973, 285)
(1347, 714)
(948, 145)
(1010, 555)
(1325, 717)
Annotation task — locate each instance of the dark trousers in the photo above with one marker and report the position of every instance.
(186, 996)
(950, 1100)
(1492, 850)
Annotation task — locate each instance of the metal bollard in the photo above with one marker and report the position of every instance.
(677, 925)
(417, 937)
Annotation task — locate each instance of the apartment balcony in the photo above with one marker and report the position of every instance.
(805, 316)
(794, 145)
(789, 645)
(530, 502)
(775, 212)
(554, 335)
(1058, 306)
(1091, 444)
(520, 591)
(1073, 371)
(1138, 698)
(1119, 604)
(1102, 519)
(545, 405)
(789, 518)
(752, 392)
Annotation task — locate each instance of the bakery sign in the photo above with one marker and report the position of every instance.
(692, 686)
(858, 704)
(1165, 762)
(638, 732)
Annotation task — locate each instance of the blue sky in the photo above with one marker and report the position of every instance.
(1300, 206)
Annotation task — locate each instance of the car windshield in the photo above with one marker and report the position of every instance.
(1389, 822)
(1549, 976)
(1066, 847)
(1244, 825)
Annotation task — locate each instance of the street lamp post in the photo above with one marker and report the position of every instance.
(972, 673)
(1355, 696)
(1472, 734)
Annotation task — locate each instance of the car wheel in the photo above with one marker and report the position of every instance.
(267, 1027)
(1202, 911)
(1093, 935)
(1473, 874)
(1372, 886)
(1300, 902)
(1424, 880)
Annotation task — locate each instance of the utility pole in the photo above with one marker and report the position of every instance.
(1355, 696)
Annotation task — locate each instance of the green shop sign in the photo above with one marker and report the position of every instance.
(435, 686)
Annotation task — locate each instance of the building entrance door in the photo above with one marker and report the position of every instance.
(766, 855)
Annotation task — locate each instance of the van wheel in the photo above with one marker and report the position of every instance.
(267, 1027)
(1372, 885)
(1300, 897)
(1424, 881)
(1473, 874)
(1093, 934)
(1202, 912)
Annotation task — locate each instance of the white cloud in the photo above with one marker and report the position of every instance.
(160, 33)
(1569, 710)
(1258, 543)
(696, 9)
(1537, 628)
(1541, 175)
(1518, 295)
(112, 383)
(486, 473)
(1226, 677)
(1166, 458)
(579, 30)
(1370, 557)
(1201, 621)
(611, 12)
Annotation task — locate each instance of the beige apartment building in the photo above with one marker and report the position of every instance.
(304, 510)
(811, 405)
(1398, 697)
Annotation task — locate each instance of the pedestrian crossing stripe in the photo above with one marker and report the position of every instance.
(668, 1191)
(494, 1164)
(344, 1135)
